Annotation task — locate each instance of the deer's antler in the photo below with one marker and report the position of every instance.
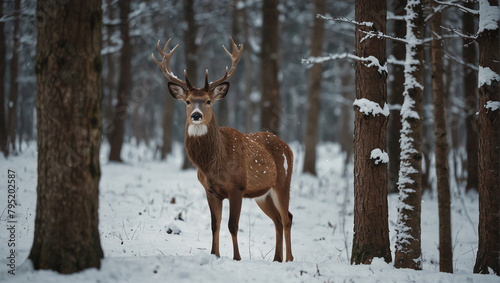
(165, 65)
(235, 58)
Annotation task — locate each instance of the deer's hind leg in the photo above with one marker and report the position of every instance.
(267, 205)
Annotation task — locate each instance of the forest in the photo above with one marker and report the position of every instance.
(386, 116)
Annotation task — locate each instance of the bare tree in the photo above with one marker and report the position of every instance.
(14, 85)
(117, 135)
(314, 89)
(3, 63)
(69, 90)
(371, 228)
(488, 253)
(441, 147)
(408, 248)
(270, 119)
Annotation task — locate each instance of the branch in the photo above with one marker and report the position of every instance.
(462, 35)
(460, 61)
(392, 16)
(370, 60)
(370, 34)
(345, 20)
(462, 8)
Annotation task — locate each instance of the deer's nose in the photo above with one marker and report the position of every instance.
(196, 116)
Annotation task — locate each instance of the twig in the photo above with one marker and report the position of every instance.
(345, 20)
(464, 9)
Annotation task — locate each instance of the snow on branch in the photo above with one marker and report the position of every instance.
(486, 76)
(368, 107)
(460, 7)
(379, 156)
(392, 16)
(345, 20)
(492, 105)
(379, 35)
(371, 61)
(459, 33)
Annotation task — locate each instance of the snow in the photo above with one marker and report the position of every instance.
(492, 105)
(368, 107)
(371, 61)
(380, 156)
(486, 76)
(141, 199)
(489, 16)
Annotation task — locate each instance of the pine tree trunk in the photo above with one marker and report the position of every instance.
(314, 89)
(69, 80)
(441, 147)
(488, 253)
(408, 248)
(124, 86)
(270, 118)
(470, 88)
(168, 118)
(3, 67)
(347, 117)
(14, 86)
(371, 228)
(396, 99)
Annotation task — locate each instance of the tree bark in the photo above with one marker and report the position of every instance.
(314, 89)
(488, 122)
(408, 247)
(396, 99)
(3, 66)
(469, 51)
(69, 91)
(441, 147)
(124, 86)
(371, 228)
(14, 86)
(270, 118)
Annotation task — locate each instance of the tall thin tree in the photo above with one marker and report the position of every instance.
(314, 89)
(441, 140)
(68, 70)
(488, 253)
(371, 228)
(270, 118)
(408, 247)
(3, 67)
(117, 135)
(14, 85)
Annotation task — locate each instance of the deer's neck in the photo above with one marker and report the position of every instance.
(205, 147)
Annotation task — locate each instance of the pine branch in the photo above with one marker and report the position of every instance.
(462, 8)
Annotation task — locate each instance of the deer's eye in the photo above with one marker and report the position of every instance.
(209, 102)
(188, 102)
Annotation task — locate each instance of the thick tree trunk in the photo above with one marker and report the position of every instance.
(124, 86)
(3, 67)
(168, 117)
(408, 248)
(396, 99)
(14, 86)
(270, 118)
(371, 228)
(314, 89)
(441, 147)
(469, 50)
(488, 253)
(69, 80)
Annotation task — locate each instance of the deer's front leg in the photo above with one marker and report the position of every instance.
(234, 217)
(215, 205)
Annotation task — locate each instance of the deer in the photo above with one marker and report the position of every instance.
(232, 165)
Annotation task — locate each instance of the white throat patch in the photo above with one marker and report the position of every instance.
(197, 130)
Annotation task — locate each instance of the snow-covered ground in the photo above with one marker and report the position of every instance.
(155, 227)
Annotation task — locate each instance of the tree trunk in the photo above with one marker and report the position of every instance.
(191, 56)
(314, 89)
(488, 122)
(110, 78)
(124, 86)
(441, 147)
(14, 86)
(346, 129)
(371, 228)
(396, 99)
(168, 118)
(270, 118)
(469, 51)
(3, 66)
(250, 105)
(408, 248)
(69, 80)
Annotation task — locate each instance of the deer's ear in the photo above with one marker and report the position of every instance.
(220, 91)
(177, 91)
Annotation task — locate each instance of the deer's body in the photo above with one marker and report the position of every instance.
(233, 165)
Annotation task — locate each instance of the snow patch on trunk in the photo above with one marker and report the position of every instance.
(380, 156)
(368, 107)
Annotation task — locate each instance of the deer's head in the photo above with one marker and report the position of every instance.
(199, 101)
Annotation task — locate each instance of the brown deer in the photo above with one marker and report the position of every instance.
(231, 164)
